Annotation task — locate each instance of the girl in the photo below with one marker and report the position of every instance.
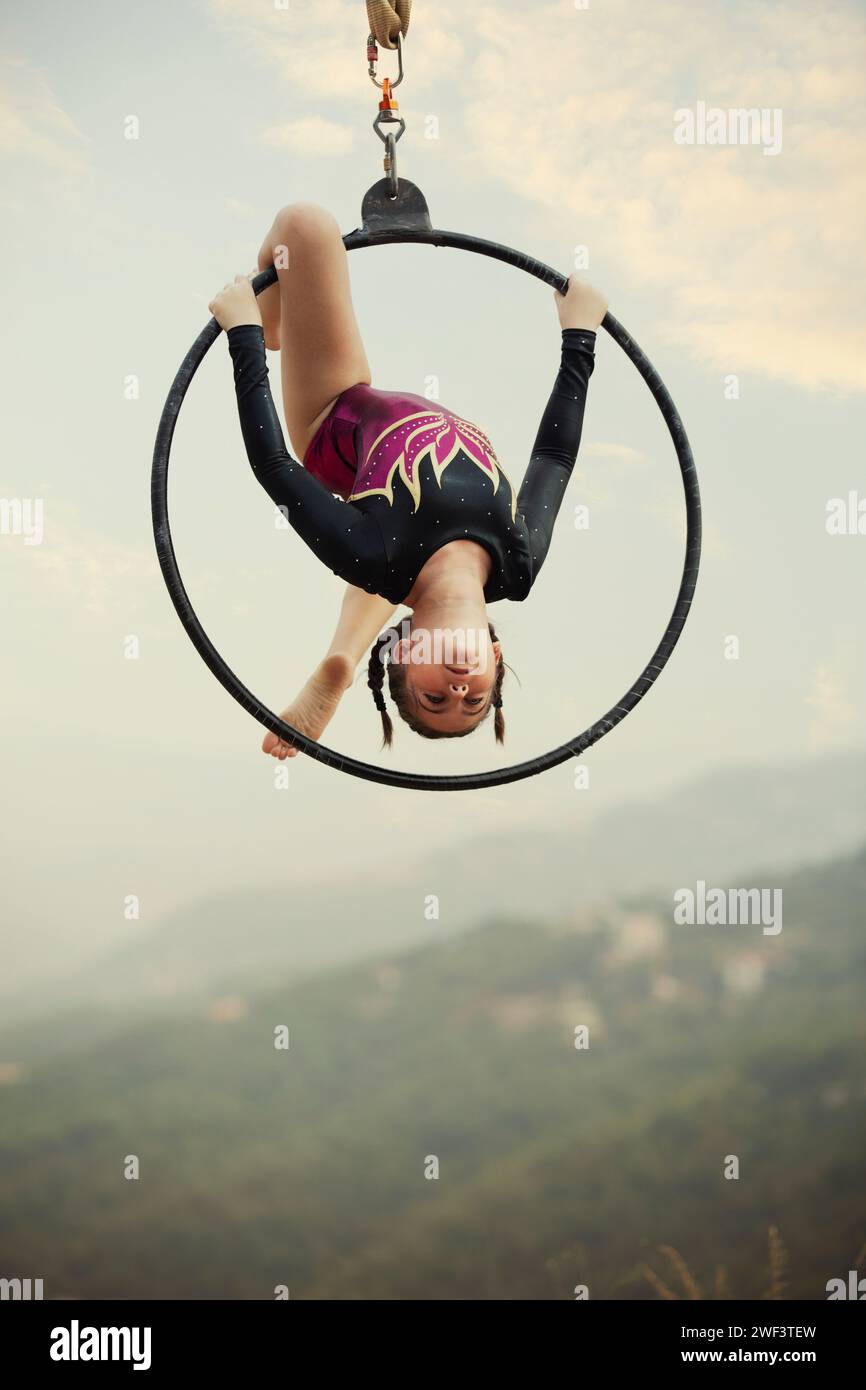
(423, 513)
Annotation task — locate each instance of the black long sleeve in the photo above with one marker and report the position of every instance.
(341, 536)
(556, 443)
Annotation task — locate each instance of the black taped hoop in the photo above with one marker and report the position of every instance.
(406, 219)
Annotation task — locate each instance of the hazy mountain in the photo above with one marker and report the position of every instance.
(731, 822)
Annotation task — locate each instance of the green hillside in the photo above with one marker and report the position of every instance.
(557, 1166)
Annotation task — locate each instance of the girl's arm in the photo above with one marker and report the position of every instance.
(342, 538)
(556, 444)
(362, 618)
(554, 453)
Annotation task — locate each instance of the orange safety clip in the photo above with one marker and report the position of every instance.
(388, 102)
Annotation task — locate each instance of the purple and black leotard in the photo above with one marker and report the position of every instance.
(409, 476)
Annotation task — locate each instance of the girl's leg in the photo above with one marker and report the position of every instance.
(320, 344)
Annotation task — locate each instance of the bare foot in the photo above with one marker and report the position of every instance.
(313, 709)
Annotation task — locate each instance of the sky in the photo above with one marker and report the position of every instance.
(550, 128)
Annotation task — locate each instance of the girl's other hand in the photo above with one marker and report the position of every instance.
(235, 304)
(583, 306)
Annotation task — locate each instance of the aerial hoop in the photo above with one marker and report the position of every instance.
(405, 218)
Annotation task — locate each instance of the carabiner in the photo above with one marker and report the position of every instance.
(373, 58)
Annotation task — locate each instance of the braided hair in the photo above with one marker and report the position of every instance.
(397, 687)
(376, 682)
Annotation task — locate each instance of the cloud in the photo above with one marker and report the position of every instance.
(311, 134)
(616, 453)
(33, 126)
(239, 206)
(75, 566)
(757, 256)
(756, 260)
(321, 49)
(833, 712)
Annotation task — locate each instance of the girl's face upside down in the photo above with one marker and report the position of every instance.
(451, 695)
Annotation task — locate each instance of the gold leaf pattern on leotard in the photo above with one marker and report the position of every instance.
(402, 445)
